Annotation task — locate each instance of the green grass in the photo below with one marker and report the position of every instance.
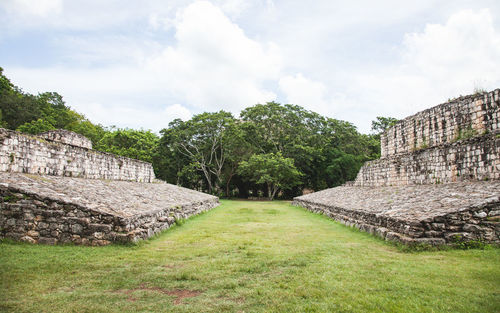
(249, 257)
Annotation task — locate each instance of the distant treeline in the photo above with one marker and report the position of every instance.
(270, 150)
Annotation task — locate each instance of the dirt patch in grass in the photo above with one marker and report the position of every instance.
(179, 294)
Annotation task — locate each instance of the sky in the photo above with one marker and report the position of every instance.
(141, 64)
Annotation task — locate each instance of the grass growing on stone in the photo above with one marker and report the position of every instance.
(249, 257)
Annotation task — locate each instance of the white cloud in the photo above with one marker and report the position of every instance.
(214, 64)
(341, 59)
(464, 50)
(121, 115)
(233, 7)
(177, 111)
(306, 92)
(39, 8)
(441, 62)
(124, 97)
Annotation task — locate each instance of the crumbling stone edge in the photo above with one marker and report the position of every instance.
(30, 218)
(480, 223)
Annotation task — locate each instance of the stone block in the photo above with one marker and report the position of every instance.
(99, 228)
(431, 241)
(47, 240)
(27, 239)
(480, 214)
(76, 228)
(471, 228)
(438, 226)
(33, 233)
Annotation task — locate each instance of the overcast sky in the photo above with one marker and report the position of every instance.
(140, 64)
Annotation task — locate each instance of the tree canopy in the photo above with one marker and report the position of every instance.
(271, 149)
(214, 151)
(273, 170)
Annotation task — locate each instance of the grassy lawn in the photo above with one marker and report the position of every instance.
(249, 257)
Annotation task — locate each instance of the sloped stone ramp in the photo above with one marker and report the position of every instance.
(432, 214)
(54, 209)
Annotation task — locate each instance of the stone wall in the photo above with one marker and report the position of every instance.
(476, 158)
(466, 116)
(37, 220)
(67, 137)
(438, 178)
(50, 209)
(32, 154)
(432, 214)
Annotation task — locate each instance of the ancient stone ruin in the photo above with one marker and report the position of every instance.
(437, 181)
(55, 189)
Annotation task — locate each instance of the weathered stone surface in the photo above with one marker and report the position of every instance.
(96, 212)
(27, 239)
(454, 141)
(67, 137)
(33, 154)
(477, 158)
(445, 123)
(432, 214)
(402, 196)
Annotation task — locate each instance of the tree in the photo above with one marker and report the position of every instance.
(274, 170)
(94, 132)
(238, 148)
(36, 127)
(381, 124)
(5, 85)
(203, 142)
(136, 144)
(207, 151)
(168, 162)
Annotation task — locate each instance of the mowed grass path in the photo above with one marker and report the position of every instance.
(249, 257)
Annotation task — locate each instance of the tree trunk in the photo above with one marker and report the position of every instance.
(275, 189)
(269, 193)
(227, 185)
(208, 178)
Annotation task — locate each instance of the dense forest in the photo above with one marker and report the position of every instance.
(270, 150)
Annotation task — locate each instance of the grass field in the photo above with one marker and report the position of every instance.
(249, 257)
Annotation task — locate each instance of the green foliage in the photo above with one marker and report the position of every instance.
(462, 243)
(35, 114)
(205, 152)
(381, 124)
(343, 166)
(479, 90)
(136, 144)
(422, 146)
(463, 134)
(274, 170)
(206, 142)
(10, 199)
(179, 221)
(88, 129)
(36, 127)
